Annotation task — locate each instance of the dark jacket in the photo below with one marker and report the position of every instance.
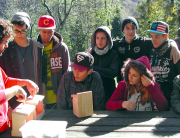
(175, 96)
(178, 42)
(106, 65)
(69, 86)
(140, 46)
(9, 62)
(164, 70)
(59, 61)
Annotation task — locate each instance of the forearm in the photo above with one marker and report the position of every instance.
(157, 97)
(10, 92)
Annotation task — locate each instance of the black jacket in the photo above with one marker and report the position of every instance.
(178, 42)
(140, 46)
(175, 96)
(164, 71)
(9, 63)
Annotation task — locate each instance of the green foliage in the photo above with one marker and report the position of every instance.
(160, 10)
(117, 25)
(77, 19)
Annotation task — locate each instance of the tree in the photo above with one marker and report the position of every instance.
(161, 10)
(117, 25)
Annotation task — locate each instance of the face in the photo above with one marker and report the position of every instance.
(129, 32)
(20, 31)
(81, 75)
(157, 39)
(3, 45)
(101, 40)
(46, 34)
(134, 77)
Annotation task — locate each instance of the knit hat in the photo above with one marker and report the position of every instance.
(22, 16)
(178, 32)
(46, 22)
(82, 61)
(159, 27)
(130, 19)
(145, 61)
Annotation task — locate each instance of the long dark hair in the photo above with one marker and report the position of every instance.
(142, 70)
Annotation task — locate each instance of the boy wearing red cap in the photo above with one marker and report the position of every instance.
(161, 64)
(56, 58)
(24, 55)
(81, 79)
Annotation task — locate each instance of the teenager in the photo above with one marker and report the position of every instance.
(133, 46)
(9, 86)
(175, 96)
(162, 66)
(56, 58)
(24, 55)
(81, 79)
(106, 60)
(138, 91)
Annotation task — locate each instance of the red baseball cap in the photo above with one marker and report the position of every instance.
(46, 22)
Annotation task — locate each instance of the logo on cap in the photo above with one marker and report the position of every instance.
(46, 21)
(79, 58)
(161, 28)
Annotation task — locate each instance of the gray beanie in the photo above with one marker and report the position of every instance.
(22, 16)
(130, 19)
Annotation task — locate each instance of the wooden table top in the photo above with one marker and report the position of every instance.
(112, 124)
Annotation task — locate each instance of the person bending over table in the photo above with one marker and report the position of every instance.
(81, 79)
(138, 91)
(10, 87)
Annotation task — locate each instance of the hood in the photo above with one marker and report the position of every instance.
(107, 30)
(57, 38)
(145, 61)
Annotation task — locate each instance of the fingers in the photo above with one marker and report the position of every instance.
(32, 88)
(21, 95)
(131, 106)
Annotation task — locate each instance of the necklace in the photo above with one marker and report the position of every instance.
(22, 54)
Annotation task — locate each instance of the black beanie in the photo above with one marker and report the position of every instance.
(130, 19)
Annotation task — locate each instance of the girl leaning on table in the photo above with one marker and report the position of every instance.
(138, 91)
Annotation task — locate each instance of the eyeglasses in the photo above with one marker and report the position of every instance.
(21, 32)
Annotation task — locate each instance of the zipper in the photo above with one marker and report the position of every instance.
(129, 47)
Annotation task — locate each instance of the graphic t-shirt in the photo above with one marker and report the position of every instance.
(50, 96)
(136, 97)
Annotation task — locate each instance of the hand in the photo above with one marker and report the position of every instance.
(145, 80)
(175, 53)
(32, 87)
(129, 105)
(21, 94)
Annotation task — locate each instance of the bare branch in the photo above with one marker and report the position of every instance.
(47, 7)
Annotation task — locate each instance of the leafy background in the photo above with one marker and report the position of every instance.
(77, 19)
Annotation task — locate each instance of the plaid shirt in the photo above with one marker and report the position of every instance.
(68, 86)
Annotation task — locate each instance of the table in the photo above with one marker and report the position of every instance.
(112, 124)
